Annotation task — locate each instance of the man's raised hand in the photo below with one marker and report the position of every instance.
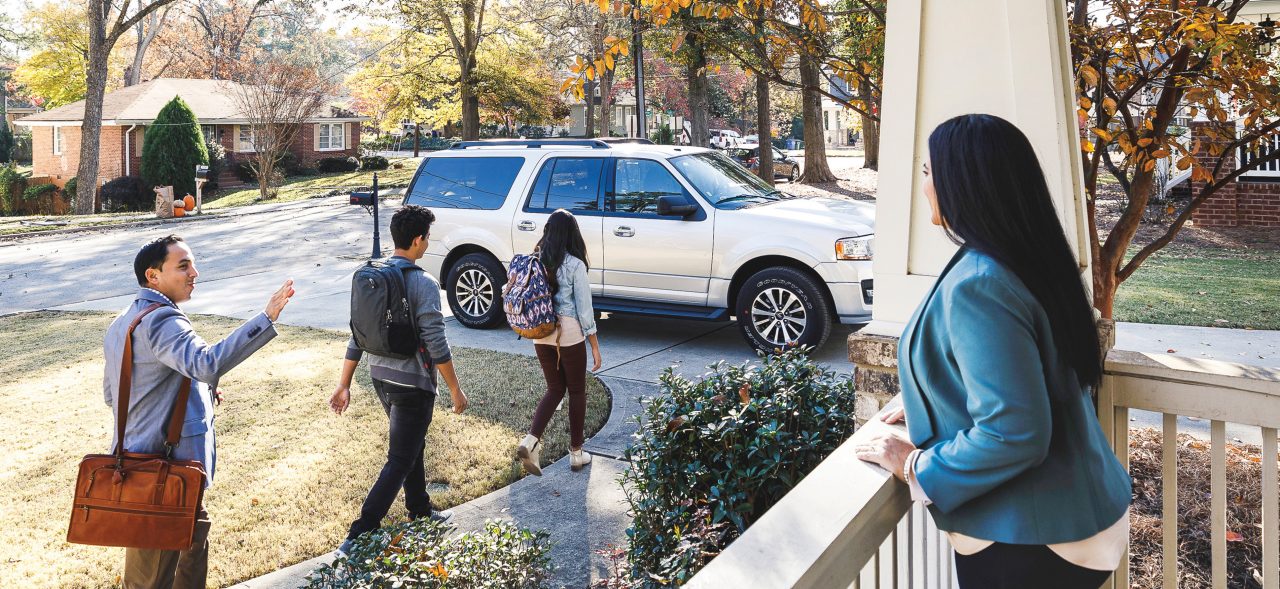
(278, 300)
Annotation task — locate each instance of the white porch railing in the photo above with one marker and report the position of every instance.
(849, 524)
(1268, 170)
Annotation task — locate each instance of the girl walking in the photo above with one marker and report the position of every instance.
(563, 354)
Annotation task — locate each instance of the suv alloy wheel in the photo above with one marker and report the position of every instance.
(474, 290)
(779, 307)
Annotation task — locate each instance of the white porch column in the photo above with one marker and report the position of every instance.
(945, 58)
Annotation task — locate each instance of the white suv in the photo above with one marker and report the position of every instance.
(725, 138)
(671, 231)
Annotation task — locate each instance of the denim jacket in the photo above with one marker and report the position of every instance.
(573, 299)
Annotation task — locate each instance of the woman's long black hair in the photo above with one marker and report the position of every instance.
(993, 197)
(560, 236)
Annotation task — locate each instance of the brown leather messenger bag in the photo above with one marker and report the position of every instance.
(138, 500)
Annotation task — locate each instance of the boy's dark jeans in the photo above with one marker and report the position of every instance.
(409, 411)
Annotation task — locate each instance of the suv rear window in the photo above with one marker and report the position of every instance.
(464, 183)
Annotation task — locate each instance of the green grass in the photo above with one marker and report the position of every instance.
(303, 187)
(291, 475)
(1217, 289)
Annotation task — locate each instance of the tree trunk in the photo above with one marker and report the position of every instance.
(589, 119)
(417, 138)
(816, 170)
(764, 129)
(699, 90)
(470, 102)
(870, 133)
(606, 104)
(91, 127)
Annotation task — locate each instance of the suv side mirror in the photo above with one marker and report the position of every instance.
(676, 206)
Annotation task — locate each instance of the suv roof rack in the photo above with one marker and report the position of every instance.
(636, 140)
(533, 143)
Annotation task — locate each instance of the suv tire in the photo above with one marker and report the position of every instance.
(474, 290)
(777, 306)
(795, 173)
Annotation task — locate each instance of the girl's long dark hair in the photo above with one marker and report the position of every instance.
(993, 197)
(560, 236)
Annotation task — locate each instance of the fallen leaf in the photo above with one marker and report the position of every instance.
(744, 393)
(675, 423)
(253, 502)
(1234, 536)
(1170, 351)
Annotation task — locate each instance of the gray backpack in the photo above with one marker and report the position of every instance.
(382, 318)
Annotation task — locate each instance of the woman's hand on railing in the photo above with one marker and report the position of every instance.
(889, 449)
(893, 416)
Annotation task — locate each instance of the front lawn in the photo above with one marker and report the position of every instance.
(1216, 288)
(291, 475)
(302, 187)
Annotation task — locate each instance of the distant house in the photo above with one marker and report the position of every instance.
(624, 112)
(127, 112)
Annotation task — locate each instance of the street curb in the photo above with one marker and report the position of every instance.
(18, 237)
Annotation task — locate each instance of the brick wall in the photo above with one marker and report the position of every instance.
(62, 167)
(1238, 204)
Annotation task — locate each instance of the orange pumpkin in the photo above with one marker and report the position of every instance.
(189, 202)
(179, 212)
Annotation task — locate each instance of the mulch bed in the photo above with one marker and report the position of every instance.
(1244, 512)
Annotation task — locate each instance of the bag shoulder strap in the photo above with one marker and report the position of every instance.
(177, 415)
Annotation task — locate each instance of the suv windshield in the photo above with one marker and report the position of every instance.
(723, 182)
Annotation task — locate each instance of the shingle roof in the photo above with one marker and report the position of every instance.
(210, 100)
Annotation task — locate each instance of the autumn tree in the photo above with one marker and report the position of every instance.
(276, 98)
(107, 22)
(56, 72)
(1139, 64)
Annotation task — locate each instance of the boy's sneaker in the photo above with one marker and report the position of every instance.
(344, 550)
(527, 452)
(441, 516)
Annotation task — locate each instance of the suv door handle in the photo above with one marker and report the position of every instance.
(527, 226)
(624, 231)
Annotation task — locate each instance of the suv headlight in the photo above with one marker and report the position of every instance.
(854, 248)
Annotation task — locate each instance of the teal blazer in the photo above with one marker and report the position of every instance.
(1001, 458)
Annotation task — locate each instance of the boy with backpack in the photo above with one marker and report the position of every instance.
(396, 316)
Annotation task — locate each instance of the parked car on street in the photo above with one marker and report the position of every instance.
(748, 154)
(724, 138)
(670, 231)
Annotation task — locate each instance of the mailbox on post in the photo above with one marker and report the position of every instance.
(364, 199)
(202, 172)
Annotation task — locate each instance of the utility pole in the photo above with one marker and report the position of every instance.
(377, 245)
(637, 50)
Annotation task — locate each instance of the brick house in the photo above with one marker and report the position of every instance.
(126, 112)
(1251, 200)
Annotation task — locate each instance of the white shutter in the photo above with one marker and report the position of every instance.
(315, 137)
(346, 136)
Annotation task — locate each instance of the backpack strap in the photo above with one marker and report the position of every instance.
(176, 416)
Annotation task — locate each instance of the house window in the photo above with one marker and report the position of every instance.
(210, 133)
(57, 140)
(245, 140)
(331, 136)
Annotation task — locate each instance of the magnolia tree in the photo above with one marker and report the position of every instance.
(277, 98)
(1139, 64)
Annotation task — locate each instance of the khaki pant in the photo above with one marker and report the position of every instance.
(170, 569)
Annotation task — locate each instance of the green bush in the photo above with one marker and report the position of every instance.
(127, 193)
(12, 183)
(172, 149)
(374, 162)
(663, 136)
(712, 456)
(39, 191)
(217, 162)
(338, 164)
(421, 554)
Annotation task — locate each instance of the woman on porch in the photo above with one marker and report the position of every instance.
(996, 367)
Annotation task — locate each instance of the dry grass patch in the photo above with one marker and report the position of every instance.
(291, 475)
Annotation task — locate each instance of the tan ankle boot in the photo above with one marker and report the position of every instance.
(578, 459)
(528, 451)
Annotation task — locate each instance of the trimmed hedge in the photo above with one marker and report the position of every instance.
(338, 164)
(374, 162)
(128, 193)
(714, 455)
(39, 191)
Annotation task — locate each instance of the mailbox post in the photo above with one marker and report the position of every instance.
(369, 200)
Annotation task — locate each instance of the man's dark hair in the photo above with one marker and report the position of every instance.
(152, 255)
(410, 222)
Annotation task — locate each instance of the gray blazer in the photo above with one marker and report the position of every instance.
(166, 348)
